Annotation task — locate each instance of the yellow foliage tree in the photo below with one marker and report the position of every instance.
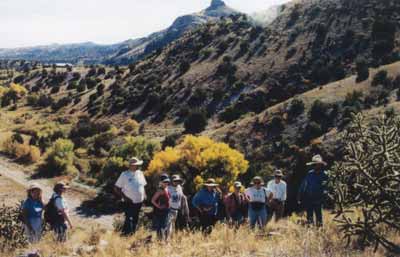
(19, 90)
(200, 158)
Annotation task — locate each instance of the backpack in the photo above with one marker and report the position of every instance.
(51, 214)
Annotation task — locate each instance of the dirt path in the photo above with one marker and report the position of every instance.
(73, 198)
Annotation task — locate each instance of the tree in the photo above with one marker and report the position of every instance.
(195, 122)
(362, 70)
(366, 184)
(200, 158)
(60, 158)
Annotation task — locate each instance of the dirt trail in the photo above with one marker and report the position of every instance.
(74, 199)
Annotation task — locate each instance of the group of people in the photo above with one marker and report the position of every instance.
(35, 214)
(258, 203)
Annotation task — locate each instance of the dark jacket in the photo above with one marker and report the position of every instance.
(313, 189)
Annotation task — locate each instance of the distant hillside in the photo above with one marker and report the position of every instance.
(120, 53)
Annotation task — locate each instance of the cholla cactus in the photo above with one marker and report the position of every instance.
(11, 229)
(367, 183)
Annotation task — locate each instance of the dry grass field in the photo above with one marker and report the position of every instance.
(286, 238)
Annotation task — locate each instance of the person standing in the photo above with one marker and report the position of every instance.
(313, 190)
(257, 196)
(32, 210)
(161, 203)
(206, 202)
(279, 192)
(58, 212)
(236, 205)
(177, 203)
(130, 187)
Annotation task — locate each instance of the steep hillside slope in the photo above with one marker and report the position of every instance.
(229, 68)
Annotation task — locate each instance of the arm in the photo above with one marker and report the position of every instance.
(185, 207)
(154, 200)
(196, 201)
(25, 216)
(66, 217)
(285, 193)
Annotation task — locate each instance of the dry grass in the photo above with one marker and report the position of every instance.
(285, 238)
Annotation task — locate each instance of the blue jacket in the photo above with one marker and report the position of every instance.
(206, 199)
(313, 188)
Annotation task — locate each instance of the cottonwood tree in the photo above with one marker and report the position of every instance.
(367, 183)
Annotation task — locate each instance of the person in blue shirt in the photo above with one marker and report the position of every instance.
(206, 202)
(32, 211)
(313, 190)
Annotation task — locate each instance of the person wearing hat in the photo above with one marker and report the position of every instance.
(59, 213)
(206, 202)
(161, 203)
(130, 186)
(258, 196)
(177, 202)
(278, 188)
(32, 210)
(236, 205)
(312, 190)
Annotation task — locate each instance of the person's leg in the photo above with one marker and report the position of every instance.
(252, 218)
(279, 211)
(263, 217)
(310, 213)
(318, 214)
(127, 228)
(171, 221)
(135, 216)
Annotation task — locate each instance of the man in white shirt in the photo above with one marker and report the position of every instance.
(278, 188)
(130, 187)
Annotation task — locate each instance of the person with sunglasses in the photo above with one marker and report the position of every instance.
(258, 197)
(278, 188)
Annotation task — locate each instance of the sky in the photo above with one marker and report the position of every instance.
(41, 22)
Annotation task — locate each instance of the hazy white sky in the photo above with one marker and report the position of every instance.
(38, 22)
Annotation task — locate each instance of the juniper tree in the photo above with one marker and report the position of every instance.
(367, 183)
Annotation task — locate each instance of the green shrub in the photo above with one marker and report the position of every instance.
(196, 122)
(296, 108)
(12, 235)
(60, 158)
(136, 146)
(380, 78)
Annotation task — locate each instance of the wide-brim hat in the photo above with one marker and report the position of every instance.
(61, 185)
(258, 178)
(165, 180)
(211, 183)
(177, 178)
(135, 161)
(34, 186)
(237, 184)
(317, 159)
(278, 173)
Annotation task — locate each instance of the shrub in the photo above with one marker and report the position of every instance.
(184, 66)
(199, 158)
(12, 235)
(136, 146)
(131, 126)
(366, 184)
(16, 137)
(32, 100)
(362, 70)
(112, 169)
(380, 78)
(45, 101)
(196, 122)
(34, 154)
(59, 160)
(81, 87)
(295, 108)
